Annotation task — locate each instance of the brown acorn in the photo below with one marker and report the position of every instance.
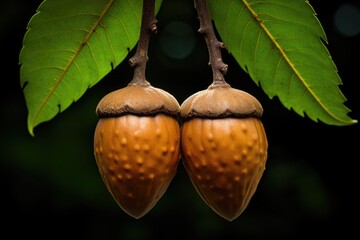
(224, 147)
(136, 145)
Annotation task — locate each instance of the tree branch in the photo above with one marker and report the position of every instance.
(219, 68)
(139, 60)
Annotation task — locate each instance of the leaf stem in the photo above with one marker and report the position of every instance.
(219, 68)
(140, 58)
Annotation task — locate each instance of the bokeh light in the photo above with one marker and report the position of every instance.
(177, 40)
(347, 20)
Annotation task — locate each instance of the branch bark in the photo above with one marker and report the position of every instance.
(219, 68)
(140, 59)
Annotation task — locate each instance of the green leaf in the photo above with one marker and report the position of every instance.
(281, 45)
(70, 46)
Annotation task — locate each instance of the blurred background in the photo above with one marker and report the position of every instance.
(50, 183)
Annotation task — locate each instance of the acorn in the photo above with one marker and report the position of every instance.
(224, 147)
(137, 145)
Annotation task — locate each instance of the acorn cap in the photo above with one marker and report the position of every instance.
(221, 101)
(137, 100)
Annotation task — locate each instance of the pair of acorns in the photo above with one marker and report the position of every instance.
(140, 139)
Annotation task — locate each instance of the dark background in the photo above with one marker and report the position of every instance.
(50, 185)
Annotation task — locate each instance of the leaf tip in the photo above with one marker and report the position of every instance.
(30, 126)
(31, 130)
(353, 121)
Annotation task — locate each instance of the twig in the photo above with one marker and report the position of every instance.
(219, 68)
(140, 59)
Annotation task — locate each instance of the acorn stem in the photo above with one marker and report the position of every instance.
(140, 58)
(219, 68)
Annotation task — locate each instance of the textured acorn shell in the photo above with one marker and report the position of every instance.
(225, 159)
(137, 145)
(137, 100)
(219, 102)
(224, 147)
(137, 157)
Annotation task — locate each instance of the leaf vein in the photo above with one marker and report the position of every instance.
(61, 77)
(282, 52)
